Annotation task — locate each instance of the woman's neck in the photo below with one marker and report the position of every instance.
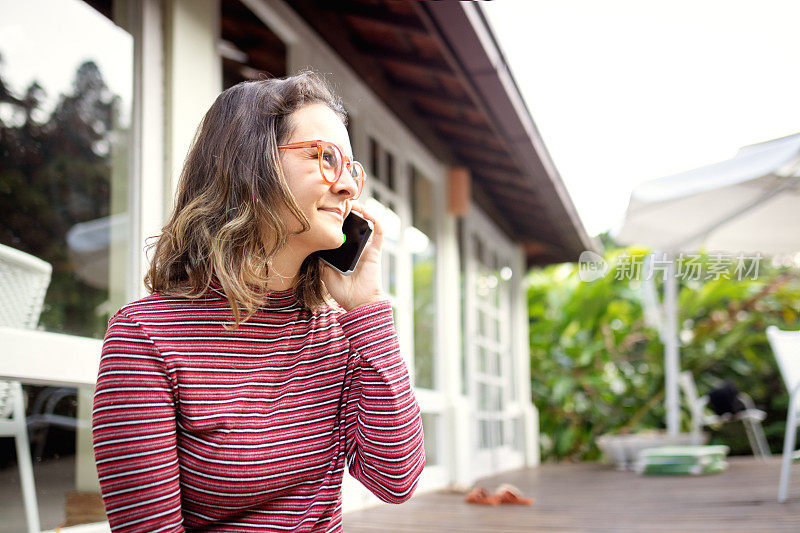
(284, 268)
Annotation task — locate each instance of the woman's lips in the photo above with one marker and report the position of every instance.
(335, 212)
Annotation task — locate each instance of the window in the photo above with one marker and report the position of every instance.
(65, 119)
(66, 86)
(386, 202)
(382, 166)
(421, 241)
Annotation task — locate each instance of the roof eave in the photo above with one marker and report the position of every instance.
(465, 31)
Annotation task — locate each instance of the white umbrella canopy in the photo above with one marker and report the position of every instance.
(749, 204)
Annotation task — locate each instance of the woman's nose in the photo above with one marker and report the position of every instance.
(346, 184)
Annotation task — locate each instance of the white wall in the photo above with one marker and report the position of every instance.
(192, 74)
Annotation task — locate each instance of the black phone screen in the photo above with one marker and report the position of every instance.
(357, 231)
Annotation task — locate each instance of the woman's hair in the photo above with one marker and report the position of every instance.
(226, 221)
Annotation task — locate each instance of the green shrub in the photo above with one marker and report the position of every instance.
(597, 366)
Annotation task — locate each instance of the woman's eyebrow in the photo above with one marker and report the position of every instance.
(341, 147)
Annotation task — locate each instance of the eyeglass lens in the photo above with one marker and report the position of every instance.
(331, 163)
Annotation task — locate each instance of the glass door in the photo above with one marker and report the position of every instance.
(490, 359)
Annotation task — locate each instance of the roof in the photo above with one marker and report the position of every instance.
(438, 67)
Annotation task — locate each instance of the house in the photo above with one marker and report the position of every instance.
(470, 196)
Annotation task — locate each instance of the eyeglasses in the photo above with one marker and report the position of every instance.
(332, 162)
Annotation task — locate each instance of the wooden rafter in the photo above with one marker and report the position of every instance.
(499, 163)
(377, 15)
(391, 55)
(322, 18)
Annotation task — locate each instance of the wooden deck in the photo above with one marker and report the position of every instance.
(593, 497)
(569, 497)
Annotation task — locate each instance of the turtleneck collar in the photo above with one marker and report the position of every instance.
(281, 298)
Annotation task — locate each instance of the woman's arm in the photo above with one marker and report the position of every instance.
(383, 427)
(134, 433)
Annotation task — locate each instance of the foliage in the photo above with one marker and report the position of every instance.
(424, 269)
(597, 366)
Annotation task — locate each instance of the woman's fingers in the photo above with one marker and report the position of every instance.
(377, 229)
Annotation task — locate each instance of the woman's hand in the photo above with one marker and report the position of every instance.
(363, 286)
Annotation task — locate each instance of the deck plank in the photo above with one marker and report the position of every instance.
(594, 497)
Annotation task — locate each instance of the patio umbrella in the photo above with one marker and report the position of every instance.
(747, 205)
(89, 245)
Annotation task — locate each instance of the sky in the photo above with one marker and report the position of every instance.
(626, 91)
(28, 53)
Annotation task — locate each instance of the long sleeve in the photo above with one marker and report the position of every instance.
(134, 433)
(385, 449)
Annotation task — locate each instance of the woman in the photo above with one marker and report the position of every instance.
(208, 420)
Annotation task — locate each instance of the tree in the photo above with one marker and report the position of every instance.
(53, 175)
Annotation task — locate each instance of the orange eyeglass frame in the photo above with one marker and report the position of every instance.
(344, 162)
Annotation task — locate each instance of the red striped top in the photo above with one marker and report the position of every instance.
(201, 428)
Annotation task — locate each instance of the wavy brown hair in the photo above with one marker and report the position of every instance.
(226, 218)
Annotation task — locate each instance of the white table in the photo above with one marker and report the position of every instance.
(57, 360)
(44, 358)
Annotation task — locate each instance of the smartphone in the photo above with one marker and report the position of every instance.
(356, 230)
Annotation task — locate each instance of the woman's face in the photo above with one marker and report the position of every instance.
(324, 205)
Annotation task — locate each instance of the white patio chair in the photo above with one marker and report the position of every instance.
(23, 284)
(750, 417)
(786, 348)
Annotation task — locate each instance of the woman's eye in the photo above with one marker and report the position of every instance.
(329, 159)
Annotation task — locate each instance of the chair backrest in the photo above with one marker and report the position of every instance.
(23, 285)
(786, 348)
(696, 406)
(686, 382)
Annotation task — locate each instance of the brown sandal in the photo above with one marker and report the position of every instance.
(507, 493)
(480, 496)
